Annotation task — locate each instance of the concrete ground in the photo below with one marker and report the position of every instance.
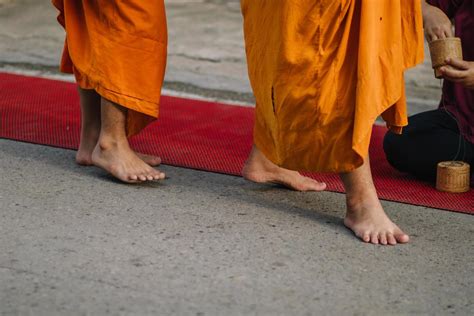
(76, 242)
(73, 241)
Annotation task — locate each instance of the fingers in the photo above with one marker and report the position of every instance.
(433, 36)
(448, 30)
(436, 23)
(458, 63)
(438, 33)
(459, 71)
(453, 74)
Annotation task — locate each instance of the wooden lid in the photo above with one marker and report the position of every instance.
(453, 176)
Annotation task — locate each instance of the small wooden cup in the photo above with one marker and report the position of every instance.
(453, 176)
(442, 49)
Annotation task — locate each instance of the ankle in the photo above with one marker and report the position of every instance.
(354, 205)
(110, 143)
(257, 160)
(357, 201)
(89, 135)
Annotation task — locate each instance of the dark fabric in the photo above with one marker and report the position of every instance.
(458, 100)
(429, 138)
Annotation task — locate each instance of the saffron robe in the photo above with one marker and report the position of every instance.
(118, 49)
(323, 71)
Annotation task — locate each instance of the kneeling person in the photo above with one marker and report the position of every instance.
(447, 133)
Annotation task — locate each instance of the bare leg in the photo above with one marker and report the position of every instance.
(365, 215)
(261, 170)
(90, 129)
(90, 125)
(113, 152)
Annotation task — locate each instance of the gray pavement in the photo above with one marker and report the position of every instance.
(75, 242)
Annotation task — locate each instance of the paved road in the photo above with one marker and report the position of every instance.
(75, 242)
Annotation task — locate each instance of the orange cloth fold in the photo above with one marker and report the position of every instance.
(117, 48)
(323, 71)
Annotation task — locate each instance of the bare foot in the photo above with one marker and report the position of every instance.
(83, 158)
(150, 160)
(90, 129)
(261, 170)
(84, 155)
(86, 147)
(90, 125)
(369, 222)
(365, 215)
(123, 163)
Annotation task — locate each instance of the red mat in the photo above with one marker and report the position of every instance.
(192, 134)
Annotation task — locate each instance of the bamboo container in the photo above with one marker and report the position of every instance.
(453, 176)
(442, 49)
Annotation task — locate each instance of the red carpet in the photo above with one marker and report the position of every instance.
(193, 134)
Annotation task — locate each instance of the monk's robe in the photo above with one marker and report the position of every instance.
(323, 71)
(118, 49)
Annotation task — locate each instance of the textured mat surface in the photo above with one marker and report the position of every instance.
(190, 133)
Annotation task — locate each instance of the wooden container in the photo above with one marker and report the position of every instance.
(442, 49)
(453, 176)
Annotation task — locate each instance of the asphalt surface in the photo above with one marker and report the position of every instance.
(76, 242)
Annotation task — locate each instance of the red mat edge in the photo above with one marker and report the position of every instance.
(471, 212)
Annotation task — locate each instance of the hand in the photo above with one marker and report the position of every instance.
(460, 71)
(436, 23)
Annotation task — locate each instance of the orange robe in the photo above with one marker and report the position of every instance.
(323, 71)
(117, 48)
